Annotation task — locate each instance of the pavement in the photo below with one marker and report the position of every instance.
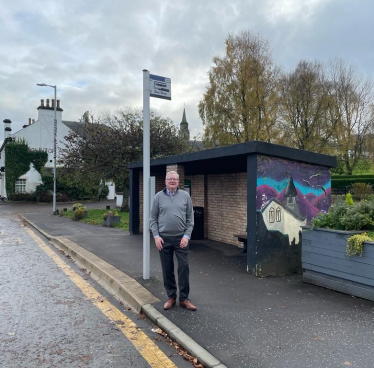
(241, 321)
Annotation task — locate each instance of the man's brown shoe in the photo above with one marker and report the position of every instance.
(169, 304)
(187, 304)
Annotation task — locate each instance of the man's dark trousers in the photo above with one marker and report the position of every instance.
(172, 245)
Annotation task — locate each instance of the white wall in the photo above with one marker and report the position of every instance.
(112, 191)
(40, 135)
(33, 179)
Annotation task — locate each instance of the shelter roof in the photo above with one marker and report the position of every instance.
(233, 158)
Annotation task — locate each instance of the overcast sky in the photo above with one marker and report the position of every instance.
(95, 51)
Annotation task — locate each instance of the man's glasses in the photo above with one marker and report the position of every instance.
(170, 179)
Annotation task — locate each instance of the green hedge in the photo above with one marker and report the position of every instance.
(23, 197)
(343, 181)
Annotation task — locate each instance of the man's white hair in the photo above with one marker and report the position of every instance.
(172, 173)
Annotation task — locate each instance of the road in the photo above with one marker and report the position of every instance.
(54, 315)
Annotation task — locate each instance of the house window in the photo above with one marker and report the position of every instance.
(271, 214)
(21, 186)
(278, 215)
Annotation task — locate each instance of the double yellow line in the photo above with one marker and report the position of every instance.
(146, 347)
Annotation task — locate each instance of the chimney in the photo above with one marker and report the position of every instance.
(25, 126)
(33, 121)
(53, 103)
(58, 104)
(47, 102)
(7, 128)
(29, 121)
(42, 103)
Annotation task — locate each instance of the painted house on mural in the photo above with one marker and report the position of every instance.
(264, 191)
(39, 135)
(283, 217)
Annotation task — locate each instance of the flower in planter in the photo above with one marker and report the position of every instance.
(78, 205)
(110, 214)
(79, 213)
(355, 244)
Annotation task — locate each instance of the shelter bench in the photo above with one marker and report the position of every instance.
(242, 238)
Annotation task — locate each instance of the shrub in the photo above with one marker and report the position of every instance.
(355, 244)
(23, 197)
(346, 216)
(71, 191)
(341, 216)
(77, 206)
(359, 216)
(361, 190)
(349, 199)
(331, 219)
(79, 213)
(110, 214)
(45, 196)
(62, 197)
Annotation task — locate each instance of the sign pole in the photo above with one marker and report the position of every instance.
(146, 175)
(159, 87)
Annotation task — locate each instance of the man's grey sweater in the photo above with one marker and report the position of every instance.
(172, 215)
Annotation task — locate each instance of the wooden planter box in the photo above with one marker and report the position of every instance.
(110, 221)
(326, 264)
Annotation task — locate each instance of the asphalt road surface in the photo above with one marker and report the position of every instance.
(54, 315)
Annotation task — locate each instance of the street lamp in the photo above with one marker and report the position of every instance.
(54, 145)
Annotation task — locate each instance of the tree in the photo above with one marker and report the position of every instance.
(110, 142)
(351, 98)
(303, 108)
(240, 103)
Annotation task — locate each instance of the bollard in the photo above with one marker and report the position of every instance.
(108, 207)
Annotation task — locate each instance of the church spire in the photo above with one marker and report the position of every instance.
(183, 130)
(291, 203)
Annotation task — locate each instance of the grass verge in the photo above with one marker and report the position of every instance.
(95, 217)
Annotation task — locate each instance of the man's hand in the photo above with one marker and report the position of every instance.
(159, 241)
(184, 242)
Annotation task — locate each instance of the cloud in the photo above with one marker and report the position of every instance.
(95, 52)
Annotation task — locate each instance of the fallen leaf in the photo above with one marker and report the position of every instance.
(347, 363)
(318, 338)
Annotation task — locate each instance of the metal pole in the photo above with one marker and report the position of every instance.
(54, 153)
(54, 145)
(146, 175)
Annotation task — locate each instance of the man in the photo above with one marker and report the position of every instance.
(171, 224)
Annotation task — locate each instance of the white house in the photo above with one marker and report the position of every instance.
(39, 135)
(285, 218)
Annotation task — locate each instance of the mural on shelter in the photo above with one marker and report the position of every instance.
(290, 194)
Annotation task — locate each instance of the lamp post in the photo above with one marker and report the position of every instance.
(54, 145)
